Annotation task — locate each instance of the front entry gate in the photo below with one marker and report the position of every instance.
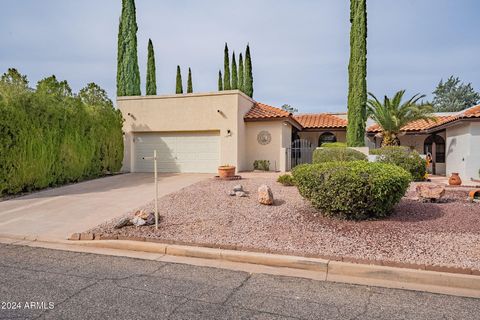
(301, 151)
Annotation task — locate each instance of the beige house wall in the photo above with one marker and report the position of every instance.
(274, 152)
(219, 111)
(463, 150)
(313, 136)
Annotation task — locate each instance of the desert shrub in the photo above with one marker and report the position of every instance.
(49, 136)
(263, 165)
(321, 155)
(403, 157)
(354, 190)
(286, 179)
(334, 145)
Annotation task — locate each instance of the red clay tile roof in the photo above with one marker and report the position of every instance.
(320, 120)
(263, 111)
(473, 112)
(418, 125)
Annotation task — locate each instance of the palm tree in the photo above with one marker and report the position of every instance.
(392, 114)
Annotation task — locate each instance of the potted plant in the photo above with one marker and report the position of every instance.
(226, 171)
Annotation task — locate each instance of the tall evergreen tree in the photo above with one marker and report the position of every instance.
(241, 75)
(226, 70)
(248, 73)
(151, 89)
(179, 87)
(189, 82)
(357, 74)
(234, 72)
(220, 81)
(128, 74)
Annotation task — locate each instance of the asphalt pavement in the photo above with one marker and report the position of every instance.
(37, 283)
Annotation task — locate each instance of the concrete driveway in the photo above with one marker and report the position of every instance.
(56, 213)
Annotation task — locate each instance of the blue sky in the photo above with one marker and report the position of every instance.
(300, 48)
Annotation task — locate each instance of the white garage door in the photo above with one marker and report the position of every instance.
(178, 151)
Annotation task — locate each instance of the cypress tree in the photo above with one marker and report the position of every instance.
(189, 82)
(226, 70)
(248, 73)
(151, 89)
(179, 88)
(357, 74)
(241, 75)
(234, 73)
(220, 81)
(128, 74)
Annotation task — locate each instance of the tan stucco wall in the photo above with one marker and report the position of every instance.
(274, 152)
(313, 136)
(189, 112)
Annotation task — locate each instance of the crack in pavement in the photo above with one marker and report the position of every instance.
(237, 288)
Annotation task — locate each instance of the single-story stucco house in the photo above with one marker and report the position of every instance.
(198, 132)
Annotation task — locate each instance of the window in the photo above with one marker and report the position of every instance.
(326, 137)
(439, 142)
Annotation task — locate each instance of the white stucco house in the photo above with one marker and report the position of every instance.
(200, 131)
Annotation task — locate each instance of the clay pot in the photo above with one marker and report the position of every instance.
(226, 171)
(454, 179)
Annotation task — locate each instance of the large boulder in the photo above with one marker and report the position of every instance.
(430, 192)
(123, 223)
(265, 195)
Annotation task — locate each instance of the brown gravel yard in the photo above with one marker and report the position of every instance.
(446, 233)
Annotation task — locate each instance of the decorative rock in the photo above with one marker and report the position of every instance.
(123, 223)
(231, 193)
(265, 195)
(240, 194)
(429, 192)
(150, 219)
(238, 187)
(142, 214)
(137, 221)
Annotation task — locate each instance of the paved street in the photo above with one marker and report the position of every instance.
(74, 285)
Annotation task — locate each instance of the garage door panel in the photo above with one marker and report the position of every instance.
(178, 152)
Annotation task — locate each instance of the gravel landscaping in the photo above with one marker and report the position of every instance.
(446, 233)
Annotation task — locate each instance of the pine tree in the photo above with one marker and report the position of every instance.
(179, 88)
(234, 73)
(248, 74)
(189, 82)
(151, 88)
(241, 75)
(220, 81)
(357, 74)
(226, 70)
(128, 74)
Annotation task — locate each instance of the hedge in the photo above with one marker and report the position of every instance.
(356, 190)
(321, 155)
(405, 158)
(49, 136)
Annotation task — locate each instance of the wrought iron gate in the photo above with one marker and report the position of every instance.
(301, 151)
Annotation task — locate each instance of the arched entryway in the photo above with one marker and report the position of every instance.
(326, 137)
(435, 145)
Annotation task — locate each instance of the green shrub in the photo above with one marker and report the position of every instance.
(263, 165)
(286, 179)
(354, 190)
(49, 136)
(321, 155)
(405, 158)
(334, 145)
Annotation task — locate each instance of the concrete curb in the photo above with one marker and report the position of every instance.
(328, 270)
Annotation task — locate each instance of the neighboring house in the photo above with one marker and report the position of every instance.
(200, 131)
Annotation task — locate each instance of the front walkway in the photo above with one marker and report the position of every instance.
(56, 213)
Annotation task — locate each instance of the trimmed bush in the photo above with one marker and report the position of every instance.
(286, 179)
(405, 158)
(356, 190)
(263, 165)
(321, 155)
(49, 136)
(334, 145)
